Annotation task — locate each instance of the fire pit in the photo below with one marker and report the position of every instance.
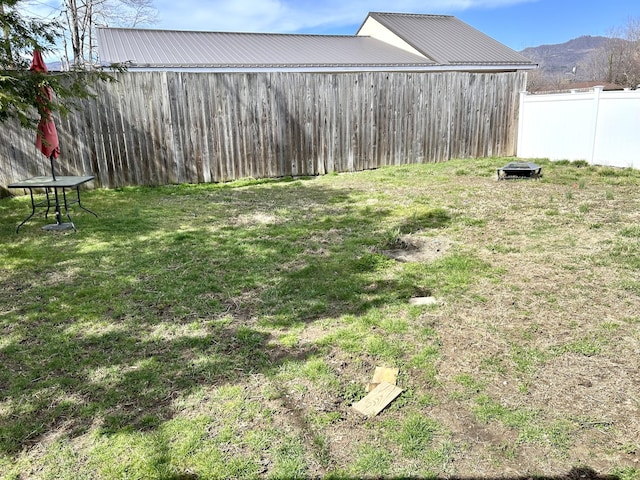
(519, 170)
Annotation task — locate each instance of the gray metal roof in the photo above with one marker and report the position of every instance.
(170, 48)
(444, 42)
(447, 40)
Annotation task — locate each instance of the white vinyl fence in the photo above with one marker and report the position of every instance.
(600, 127)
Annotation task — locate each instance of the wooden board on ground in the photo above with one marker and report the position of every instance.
(378, 399)
(383, 374)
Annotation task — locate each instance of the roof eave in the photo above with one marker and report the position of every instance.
(334, 68)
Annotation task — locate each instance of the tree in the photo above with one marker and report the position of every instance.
(19, 88)
(618, 61)
(82, 16)
(20, 36)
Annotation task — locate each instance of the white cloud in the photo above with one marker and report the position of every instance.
(43, 10)
(296, 16)
(239, 15)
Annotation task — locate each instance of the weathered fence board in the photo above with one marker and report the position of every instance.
(154, 128)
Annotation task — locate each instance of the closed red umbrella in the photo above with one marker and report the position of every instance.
(47, 135)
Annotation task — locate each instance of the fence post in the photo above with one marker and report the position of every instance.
(594, 132)
(520, 133)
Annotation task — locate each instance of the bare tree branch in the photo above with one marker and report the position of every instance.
(618, 61)
(82, 16)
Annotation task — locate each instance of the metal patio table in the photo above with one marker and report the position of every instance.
(51, 187)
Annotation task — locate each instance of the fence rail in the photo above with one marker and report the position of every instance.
(154, 128)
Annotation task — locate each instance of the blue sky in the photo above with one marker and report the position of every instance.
(516, 23)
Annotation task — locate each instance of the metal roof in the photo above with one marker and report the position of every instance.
(170, 48)
(441, 42)
(447, 40)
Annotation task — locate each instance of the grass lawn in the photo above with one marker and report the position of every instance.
(224, 331)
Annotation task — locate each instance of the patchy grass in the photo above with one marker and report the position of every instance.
(224, 331)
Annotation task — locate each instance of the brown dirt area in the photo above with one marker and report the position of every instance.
(558, 289)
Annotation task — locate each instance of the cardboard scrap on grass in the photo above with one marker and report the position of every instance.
(382, 391)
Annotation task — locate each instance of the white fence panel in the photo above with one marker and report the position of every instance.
(617, 139)
(602, 128)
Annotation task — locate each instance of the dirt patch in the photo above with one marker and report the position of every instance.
(418, 248)
(603, 390)
(257, 218)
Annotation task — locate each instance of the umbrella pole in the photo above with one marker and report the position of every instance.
(53, 170)
(55, 190)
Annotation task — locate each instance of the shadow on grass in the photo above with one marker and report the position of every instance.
(118, 380)
(576, 473)
(164, 294)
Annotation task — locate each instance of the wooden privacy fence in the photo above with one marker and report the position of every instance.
(155, 128)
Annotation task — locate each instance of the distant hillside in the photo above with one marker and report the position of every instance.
(562, 57)
(54, 66)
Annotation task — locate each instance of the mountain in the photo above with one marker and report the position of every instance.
(561, 58)
(54, 66)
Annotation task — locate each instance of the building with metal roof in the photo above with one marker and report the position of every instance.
(384, 42)
(444, 39)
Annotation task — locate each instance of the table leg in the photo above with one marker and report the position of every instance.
(80, 204)
(66, 210)
(33, 211)
(46, 192)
